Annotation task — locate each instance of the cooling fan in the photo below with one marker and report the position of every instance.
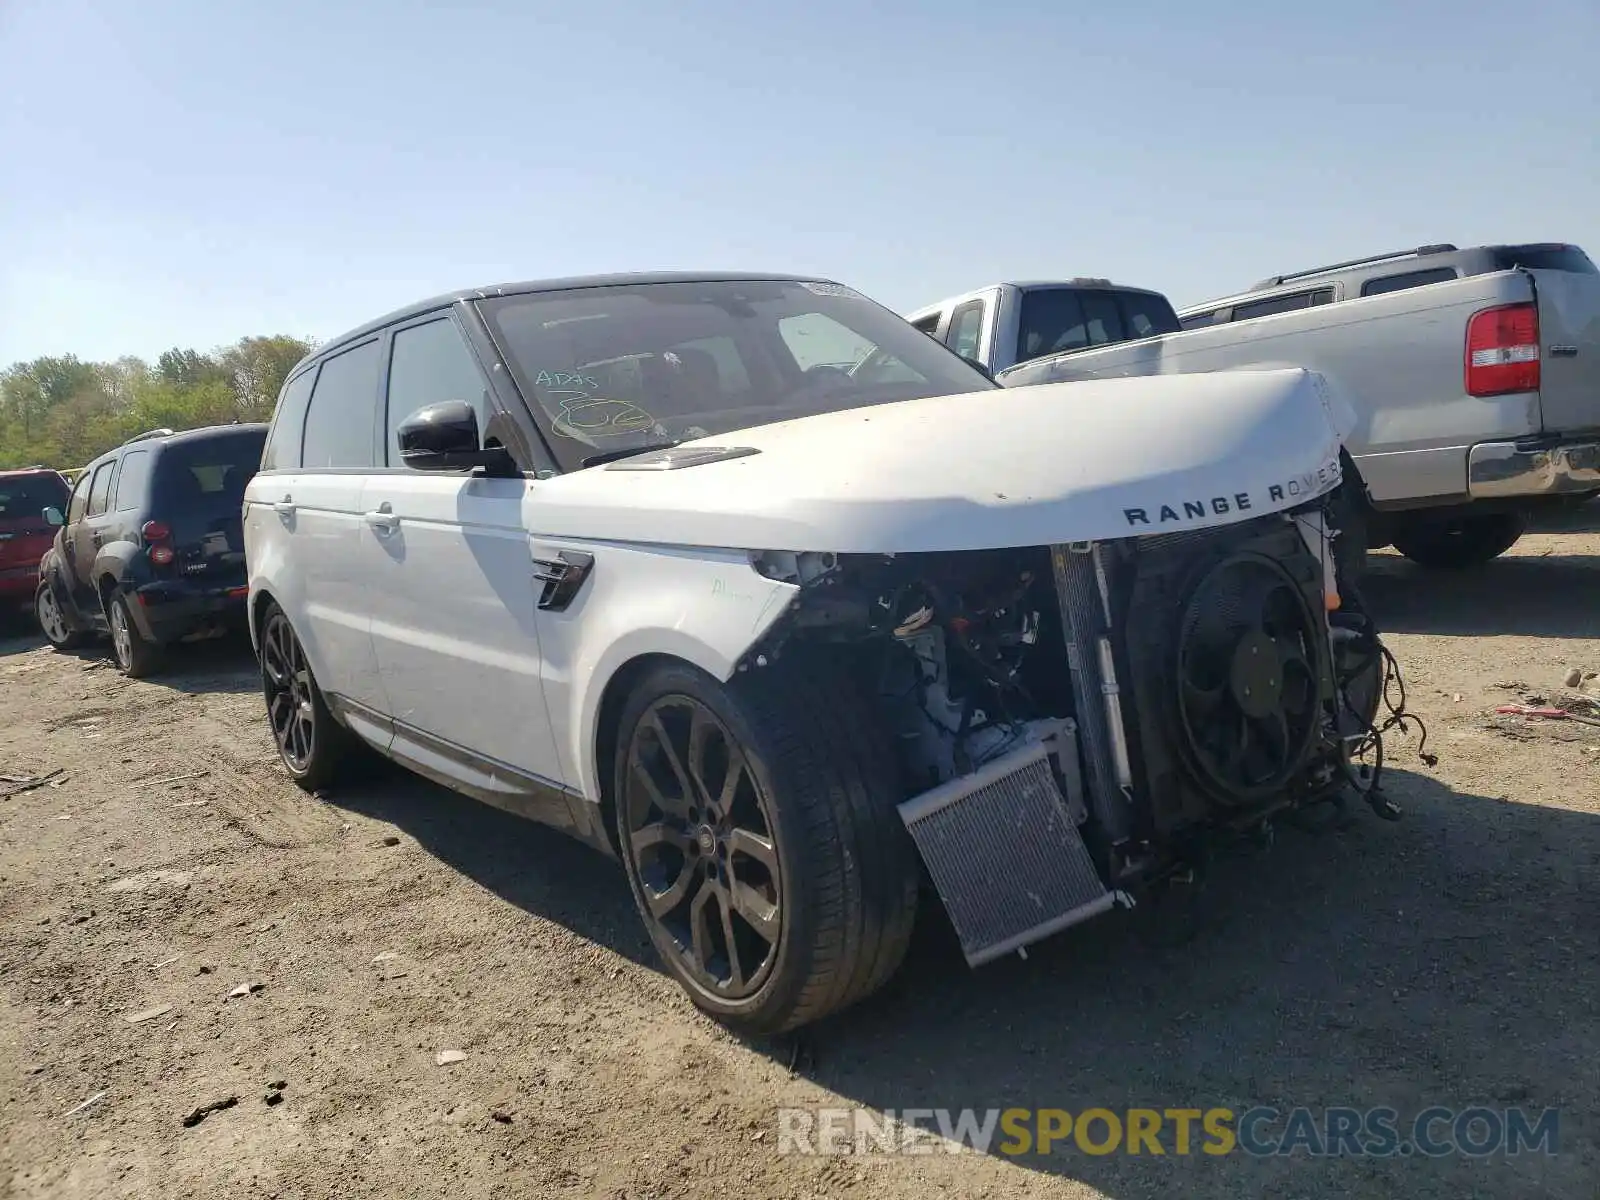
(1248, 678)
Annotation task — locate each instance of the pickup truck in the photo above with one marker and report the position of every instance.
(1004, 324)
(1475, 376)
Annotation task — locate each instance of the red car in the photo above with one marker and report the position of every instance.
(25, 534)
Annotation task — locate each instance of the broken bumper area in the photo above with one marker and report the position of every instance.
(1502, 470)
(172, 610)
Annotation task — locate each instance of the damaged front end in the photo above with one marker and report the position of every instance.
(1078, 721)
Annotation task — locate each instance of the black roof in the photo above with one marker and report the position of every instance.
(571, 283)
(181, 437)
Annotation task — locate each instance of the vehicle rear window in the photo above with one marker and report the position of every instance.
(1545, 258)
(25, 497)
(1051, 323)
(208, 474)
(1407, 279)
(1145, 314)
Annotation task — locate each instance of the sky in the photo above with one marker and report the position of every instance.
(188, 172)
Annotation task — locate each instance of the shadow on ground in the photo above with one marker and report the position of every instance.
(225, 664)
(1445, 960)
(535, 868)
(1529, 595)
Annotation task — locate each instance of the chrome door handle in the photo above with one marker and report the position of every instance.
(382, 520)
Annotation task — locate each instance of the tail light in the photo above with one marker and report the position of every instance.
(158, 538)
(1503, 350)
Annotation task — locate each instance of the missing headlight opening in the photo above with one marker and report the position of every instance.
(1078, 722)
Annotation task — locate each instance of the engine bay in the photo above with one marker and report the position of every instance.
(1205, 680)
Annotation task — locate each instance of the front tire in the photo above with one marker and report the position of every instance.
(756, 822)
(137, 657)
(314, 748)
(1455, 543)
(53, 621)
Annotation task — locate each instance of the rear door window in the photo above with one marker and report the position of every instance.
(130, 483)
(1051, 322)
(1407, 279)
(1197, 320)
(341, 424)
(100, 488)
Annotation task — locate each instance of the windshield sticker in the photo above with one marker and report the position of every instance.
(817, 288)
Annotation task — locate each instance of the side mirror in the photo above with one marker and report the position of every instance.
(978, 367)
(53, 516)
(444, 437)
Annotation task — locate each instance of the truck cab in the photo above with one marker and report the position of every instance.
(1005, 324)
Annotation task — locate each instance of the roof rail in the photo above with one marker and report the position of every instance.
(1275, 280)
(149, 433)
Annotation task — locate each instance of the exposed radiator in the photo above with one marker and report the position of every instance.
(1004, 853)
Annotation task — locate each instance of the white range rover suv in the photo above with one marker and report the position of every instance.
(747, 582)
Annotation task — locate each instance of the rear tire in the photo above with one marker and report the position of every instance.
(1455, 543)
(53, 621)
(136, 656)
(801, 863)
(314, 748)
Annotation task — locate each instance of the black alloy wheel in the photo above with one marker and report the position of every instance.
(699, 828)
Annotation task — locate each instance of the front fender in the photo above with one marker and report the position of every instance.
(705, 607)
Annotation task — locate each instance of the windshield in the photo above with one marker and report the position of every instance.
(23, 498)
(610, 369)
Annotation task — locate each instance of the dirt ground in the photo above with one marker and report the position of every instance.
(1449, 959)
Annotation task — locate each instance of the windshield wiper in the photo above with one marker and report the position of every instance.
(605, 456)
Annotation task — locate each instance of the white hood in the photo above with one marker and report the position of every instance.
(1025, 466)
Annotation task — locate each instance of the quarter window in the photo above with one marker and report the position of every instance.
(130, 482)
(288, 424)
(430, 364)
(100, 488)
(339, 422)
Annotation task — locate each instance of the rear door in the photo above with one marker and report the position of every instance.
(1569, 330)
(316, 513)
(24, 533)
(198, 493)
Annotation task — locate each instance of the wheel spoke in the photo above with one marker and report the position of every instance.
(665, 901)
(700, 933)
(735, 967)
(674, 763)
(756, 846)
(756, 909)
(659, 833)
(671, 805)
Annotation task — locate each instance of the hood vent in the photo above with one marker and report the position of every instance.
(674, 458)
